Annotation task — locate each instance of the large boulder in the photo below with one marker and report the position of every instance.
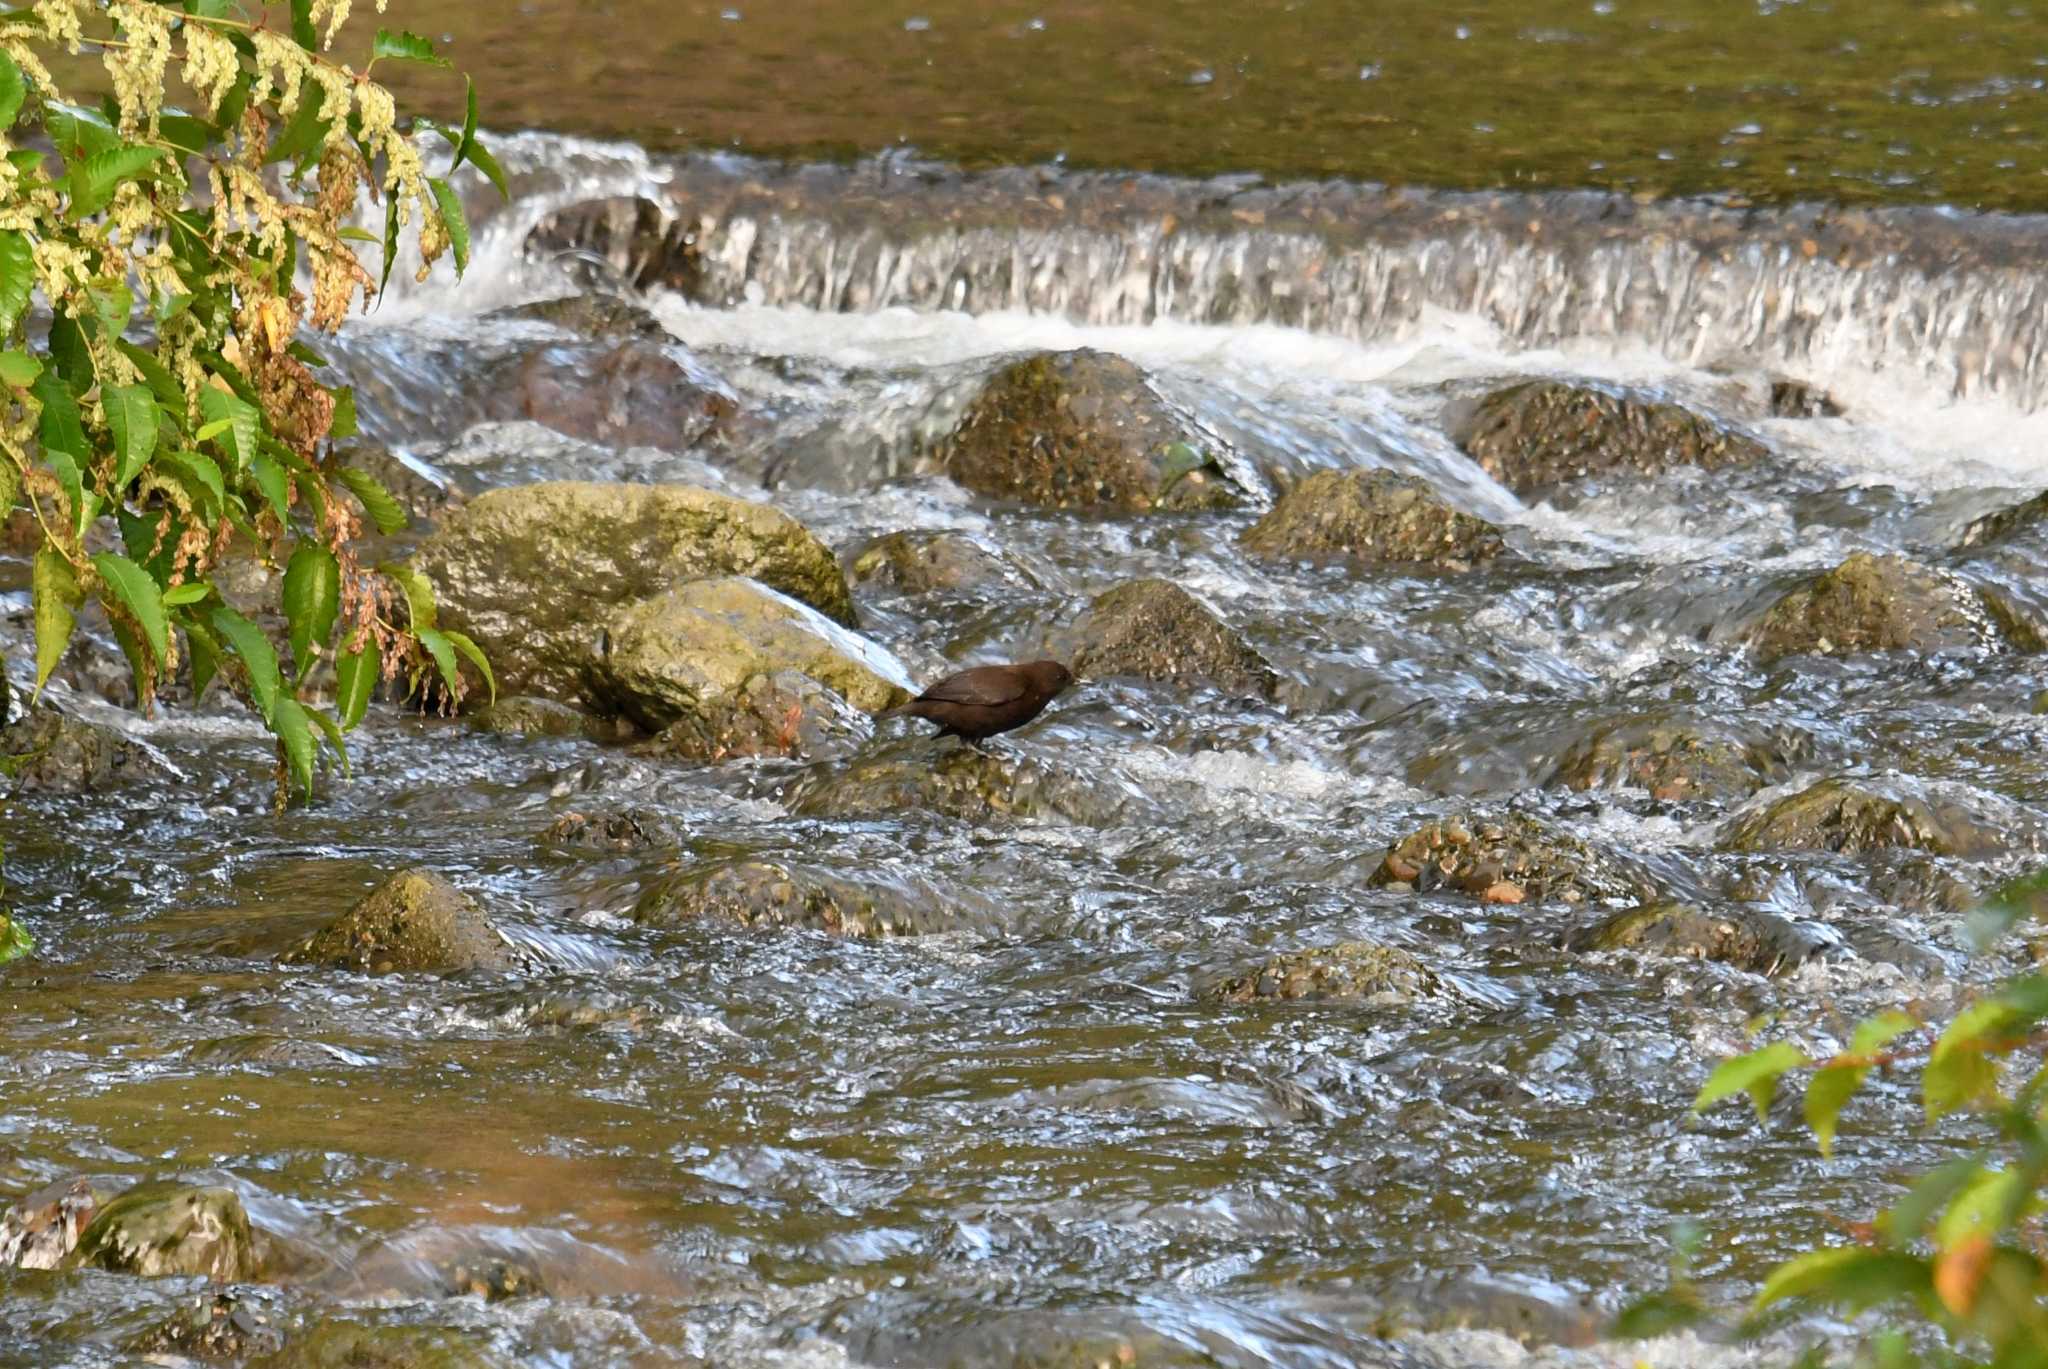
(1356, 971)
(1507, 861)
(1155, 630)
(54, 753)
(415, 921)
(530, 570)
(1747, 938)
(1887, 603)
(960, 782)
(1544, 433)
(756, 892)
(1085, 429)
(168, 1229)
(783, 714)
(934, 562)
(690, 651)
(1371, 518)
(1854, 815)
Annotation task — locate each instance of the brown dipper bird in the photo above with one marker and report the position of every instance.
(988, 699)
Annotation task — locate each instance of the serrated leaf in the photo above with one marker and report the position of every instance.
(458, 226)
(1856, 1276)
(17, 279)
(468, 138)
(259, 658)
(161, 382)
(243, 436)
(384, 511)
(57, 597)
(312, 599)
(19, 369)
(92, 182)
(140, 662)
(13, 91)
(302, 25)
(132, 414)
(343, 425)
(203, 647)
(1825, 1094)
(1929, 1194)
(185, 132)
(418, 591)
(113, 304)
(390, 242)
(200, 477)
(306, 131)
(443, 652)
(79, 133)
(355, 679)
(190, 592)
(294, 728)
(475, 656)
(275, 485)
(71, 354)
(334, 738)
(1755, 1074)
(140, 596)
(10, 487)
(400, 45)
(480, 157)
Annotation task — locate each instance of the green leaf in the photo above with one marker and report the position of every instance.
(390, 242)
(140, 596)
(333, 734)
(139, 660)
(113, 304)
(205, 650)
(57, 598)
(1755, 1074)
(295, 729)
(13, 91)
(312, 599)
(71, 354)
(1874, 1034)
(209, 431)
(480, 157)
(258, 656)
(1658, 1314)
(1959, 1073)
(405, 47)
(1929, 1195)
(468, 138)
(384, 511)
(17, 279)
(474, 654)
(302, 25)
(306, 131)
(343, 424)
(78, 132)
(244, 429)
(200, 477)
(355, 680)
(1986, 1206)
(458, 226)
(169, 393)
(418, 590)
(19, 369)
(1825, 1095)
(1856, 1276)
(92, 182)
(443, 652)
(83, 507)
(190, 592)
(14, 940)
(275, 486)
(187, 133)
(132, 414)
(10, 486)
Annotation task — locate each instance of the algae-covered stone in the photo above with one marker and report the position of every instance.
(1996, 527)
(1507, 861)
(165, 1229)
(353, 1345)
(1674, 759)
(1155, 630)
(592, 314)
(934, 563)
(522, 715)
(1849, 815)
(768, 893)
(1371, 517)
(53, 753)
(960, 782)
(783, 713)
(690, 650)
(1543, 433)
(415, 921)
(1747, 938)
(529, 571)
(1887, 603)
(1085, 429)
(1349, 970)
(221, 1325)
(628, 829)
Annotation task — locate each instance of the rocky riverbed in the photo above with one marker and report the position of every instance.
(1472, 744)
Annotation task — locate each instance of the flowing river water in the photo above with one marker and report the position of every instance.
(1028, 1135)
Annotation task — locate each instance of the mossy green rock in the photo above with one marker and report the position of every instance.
(754, 892)
(1350, 970)
(1747, 938)
(934, 563)
(1084, 430)
(693, 649)
(49, 752)
(352, 1345)
(1850, 816)
(1155, 630)
(1887, 603)
(1544, 433)
(415, 921)
(959, 782)
(530, 570)
(1371, 518)
(1507, 860)
(159, 1230)
(782, 714)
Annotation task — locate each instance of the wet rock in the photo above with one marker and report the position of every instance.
(1799, 399)
(767, 893)
(493, 1279)
(1887, 603)
(959, 782)
(529, 571)
(784, 713)
(48, 752)
(1674, 759)
(633, 393)
(594, 314)
(1085, 429)
(625, 240)
(1850, 816)
(630, 829)
(691, 651)
(415, 921)
(1996, 527)
(522, 715)
(41, 1229)
(167, 1229)
(1542, 433)
(421, 496)
(1155, 630)
(1349, 970)
(1508, 860)
(934, 563)
(352, 1345)
(1747, 938)
(214, 1326)
(1371, 517)
(270, 1052)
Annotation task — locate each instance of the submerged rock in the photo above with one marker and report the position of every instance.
(1747, 938)
(221, 1325)
(1349, 970)
(1887, 603)
(689, 652)
(40, 1230)
(522, 715)
(415, 921)
(1849, 816)
(1674, 759)
(1371, 517)
(166, 1229)
(594, 314)
(934, 563)
(784, 713)
(353, 1345)
(530, 570)
(631, 393)
(959, 782)
(628, 829)
(1508, 860)
(48, 752)
(1800, 399)
(1542, 433)
(1084, 429)
(1996, 527)
(766, 893)
(1155, 630)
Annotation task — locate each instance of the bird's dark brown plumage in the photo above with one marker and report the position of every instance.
(988, 699)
